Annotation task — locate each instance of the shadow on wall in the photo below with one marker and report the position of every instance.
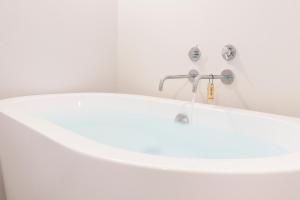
(2, 193)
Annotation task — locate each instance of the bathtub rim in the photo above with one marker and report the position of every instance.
(80, 144)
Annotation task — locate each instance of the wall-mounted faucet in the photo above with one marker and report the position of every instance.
(227, 77)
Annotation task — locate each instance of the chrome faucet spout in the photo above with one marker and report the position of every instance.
(196, 83)
(193, 74)
(162, 82)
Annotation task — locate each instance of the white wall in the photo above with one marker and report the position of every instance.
(50, 46)
(2, 192)
(155, 36)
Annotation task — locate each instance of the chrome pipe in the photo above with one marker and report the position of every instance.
(200, 77)
(227, 78)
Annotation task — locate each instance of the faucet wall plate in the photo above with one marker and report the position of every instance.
(228, 77)
(229, 52)
(195, 54)
(193, 74)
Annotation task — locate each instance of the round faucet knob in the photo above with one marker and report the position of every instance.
(229, 52)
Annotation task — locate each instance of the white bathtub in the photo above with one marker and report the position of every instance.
(50, 150)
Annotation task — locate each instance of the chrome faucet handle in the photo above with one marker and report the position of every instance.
(190, 76)
(229, 52)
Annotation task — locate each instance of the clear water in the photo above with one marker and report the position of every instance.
(152, 134)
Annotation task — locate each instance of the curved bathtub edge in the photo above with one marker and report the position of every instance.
(79, 144)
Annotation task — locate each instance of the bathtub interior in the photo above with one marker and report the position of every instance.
(146, 125)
